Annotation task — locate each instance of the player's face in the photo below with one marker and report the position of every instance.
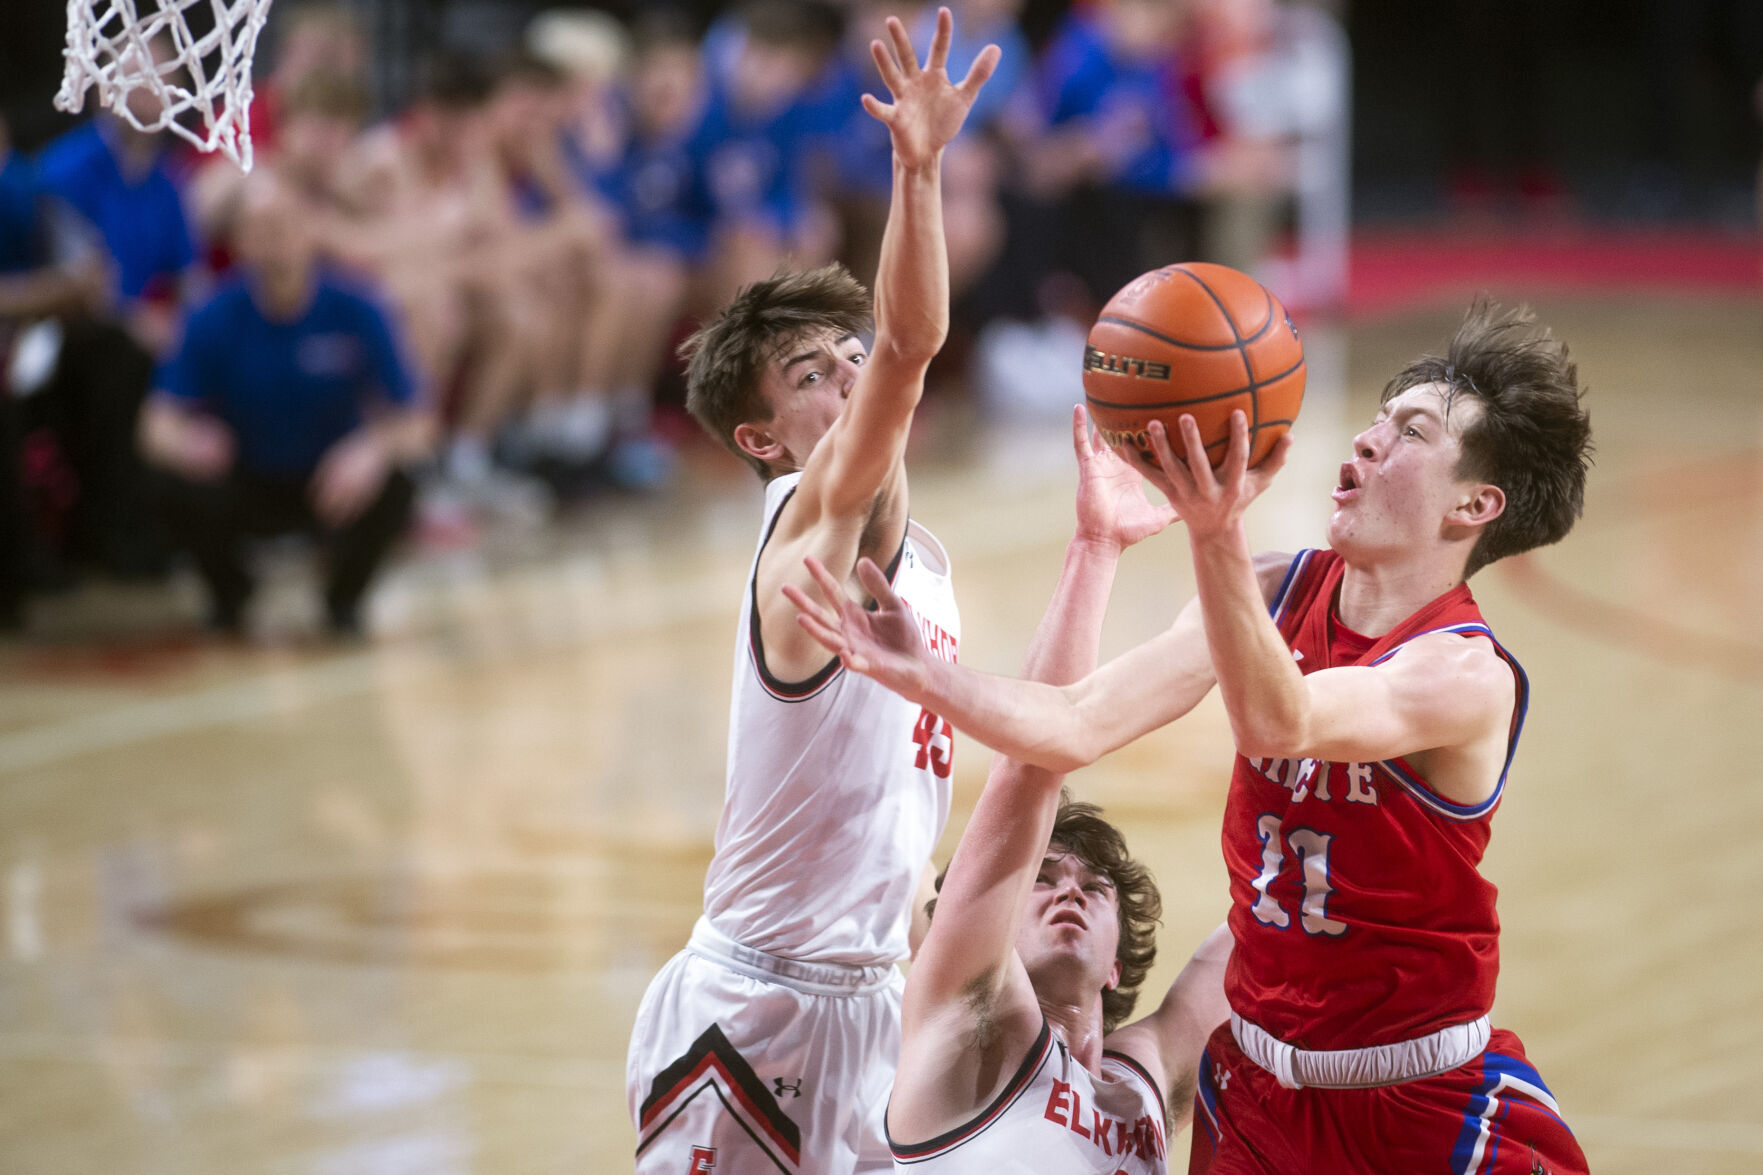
(807, 386)
(1402, 480)
(1073, 923)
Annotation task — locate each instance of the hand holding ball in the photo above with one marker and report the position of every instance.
(1200, 340)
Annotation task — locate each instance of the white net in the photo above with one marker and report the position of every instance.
(152, 69)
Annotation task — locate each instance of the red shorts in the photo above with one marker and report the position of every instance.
(1492, 1116)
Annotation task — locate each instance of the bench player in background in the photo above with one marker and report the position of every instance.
(769, 1043)
(1375, 717)
(1013, 1058)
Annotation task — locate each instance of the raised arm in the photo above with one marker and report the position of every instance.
(969, 1008)
(851, 499)
(865, 447)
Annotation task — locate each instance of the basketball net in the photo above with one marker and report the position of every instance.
(110, 46)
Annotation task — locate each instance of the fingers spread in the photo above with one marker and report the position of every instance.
(829, 638)
(878, 110)
(1173, 467)
(939, 43)
(1236, 460)
(902, 47)
(1198, 462)
(887, 67)
(806, 607)
(981, 71)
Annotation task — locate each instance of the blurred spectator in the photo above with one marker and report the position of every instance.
(563, 243)
(288, 408)
(318, 119)
(1270, 81)
(309, 37)
(657, 189)
(755, 138)
(434, 223)
(1106, 161)
(590, 48)
(50, 265)
(118, 179)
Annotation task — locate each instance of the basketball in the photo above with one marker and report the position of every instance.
(1194, 339)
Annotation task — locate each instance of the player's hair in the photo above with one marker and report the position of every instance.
(1079, 829)
(726, 357)
(1532, 438)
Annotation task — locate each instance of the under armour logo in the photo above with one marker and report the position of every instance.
(1221, 1077)
(782, 1085)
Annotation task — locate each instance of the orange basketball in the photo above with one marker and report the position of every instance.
(1194, 339)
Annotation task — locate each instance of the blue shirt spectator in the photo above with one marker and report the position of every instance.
(137, 210)
(753, 163)
(658, 188)
(1085, 79)
(288, 390)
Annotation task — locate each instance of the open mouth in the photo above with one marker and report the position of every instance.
(1348, 485)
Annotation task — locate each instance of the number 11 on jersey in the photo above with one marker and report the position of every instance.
(1311, 850)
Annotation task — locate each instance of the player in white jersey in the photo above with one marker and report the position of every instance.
(1012, 1060)
(769, 1043)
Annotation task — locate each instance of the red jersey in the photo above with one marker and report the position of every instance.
(1359, 913)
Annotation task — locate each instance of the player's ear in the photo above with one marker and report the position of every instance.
(1113, 977)
(754, 441)
(1479, 505)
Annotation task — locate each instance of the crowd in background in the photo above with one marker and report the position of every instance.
(467, 310)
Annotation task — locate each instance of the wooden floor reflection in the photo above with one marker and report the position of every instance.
(293, 908)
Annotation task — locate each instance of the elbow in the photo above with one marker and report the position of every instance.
(1264, 739)
(913, 347)
(1067, 752)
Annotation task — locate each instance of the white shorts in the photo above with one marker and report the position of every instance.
(744, 1063)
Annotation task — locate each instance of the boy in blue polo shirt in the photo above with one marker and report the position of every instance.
(288, 408)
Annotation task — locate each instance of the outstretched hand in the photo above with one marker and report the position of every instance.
(1209, 502)
(883, 644)
(928, 108)
(1112, 509)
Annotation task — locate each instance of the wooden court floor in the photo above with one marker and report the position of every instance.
(285, 907)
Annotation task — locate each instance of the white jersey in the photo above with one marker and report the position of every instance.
(1055, 1118)
(838, 788)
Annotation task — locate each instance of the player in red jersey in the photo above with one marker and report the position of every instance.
(1375, 718)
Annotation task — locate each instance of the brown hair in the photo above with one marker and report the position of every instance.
(727, 355)
(1532, 437)
(1079, 829)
